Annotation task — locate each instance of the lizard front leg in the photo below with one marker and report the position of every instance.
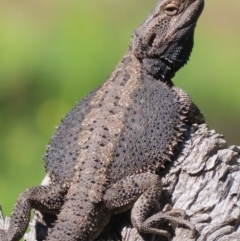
(48, 199)
(142, 192)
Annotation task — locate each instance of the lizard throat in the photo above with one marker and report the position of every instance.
(161, 69)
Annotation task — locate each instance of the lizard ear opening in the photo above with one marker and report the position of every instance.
(151, 40)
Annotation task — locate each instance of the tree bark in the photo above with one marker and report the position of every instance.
(203, 180)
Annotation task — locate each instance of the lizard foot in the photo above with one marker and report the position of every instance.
(175, 217)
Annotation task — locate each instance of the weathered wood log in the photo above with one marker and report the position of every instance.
(203, 180)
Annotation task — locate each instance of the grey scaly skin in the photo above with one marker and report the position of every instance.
(105, 156)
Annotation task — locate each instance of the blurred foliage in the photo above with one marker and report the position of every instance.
(52, 53)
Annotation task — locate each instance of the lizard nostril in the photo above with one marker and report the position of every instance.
(151, 40)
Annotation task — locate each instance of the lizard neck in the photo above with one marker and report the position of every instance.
(159, 69)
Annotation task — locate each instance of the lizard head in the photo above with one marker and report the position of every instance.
(164, 41)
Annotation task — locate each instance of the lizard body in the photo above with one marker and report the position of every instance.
(105, 156)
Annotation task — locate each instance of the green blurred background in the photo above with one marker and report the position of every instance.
(52, 53)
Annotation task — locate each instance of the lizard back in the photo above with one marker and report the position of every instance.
(129, 125)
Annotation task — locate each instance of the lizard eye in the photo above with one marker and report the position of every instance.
(171, 9)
